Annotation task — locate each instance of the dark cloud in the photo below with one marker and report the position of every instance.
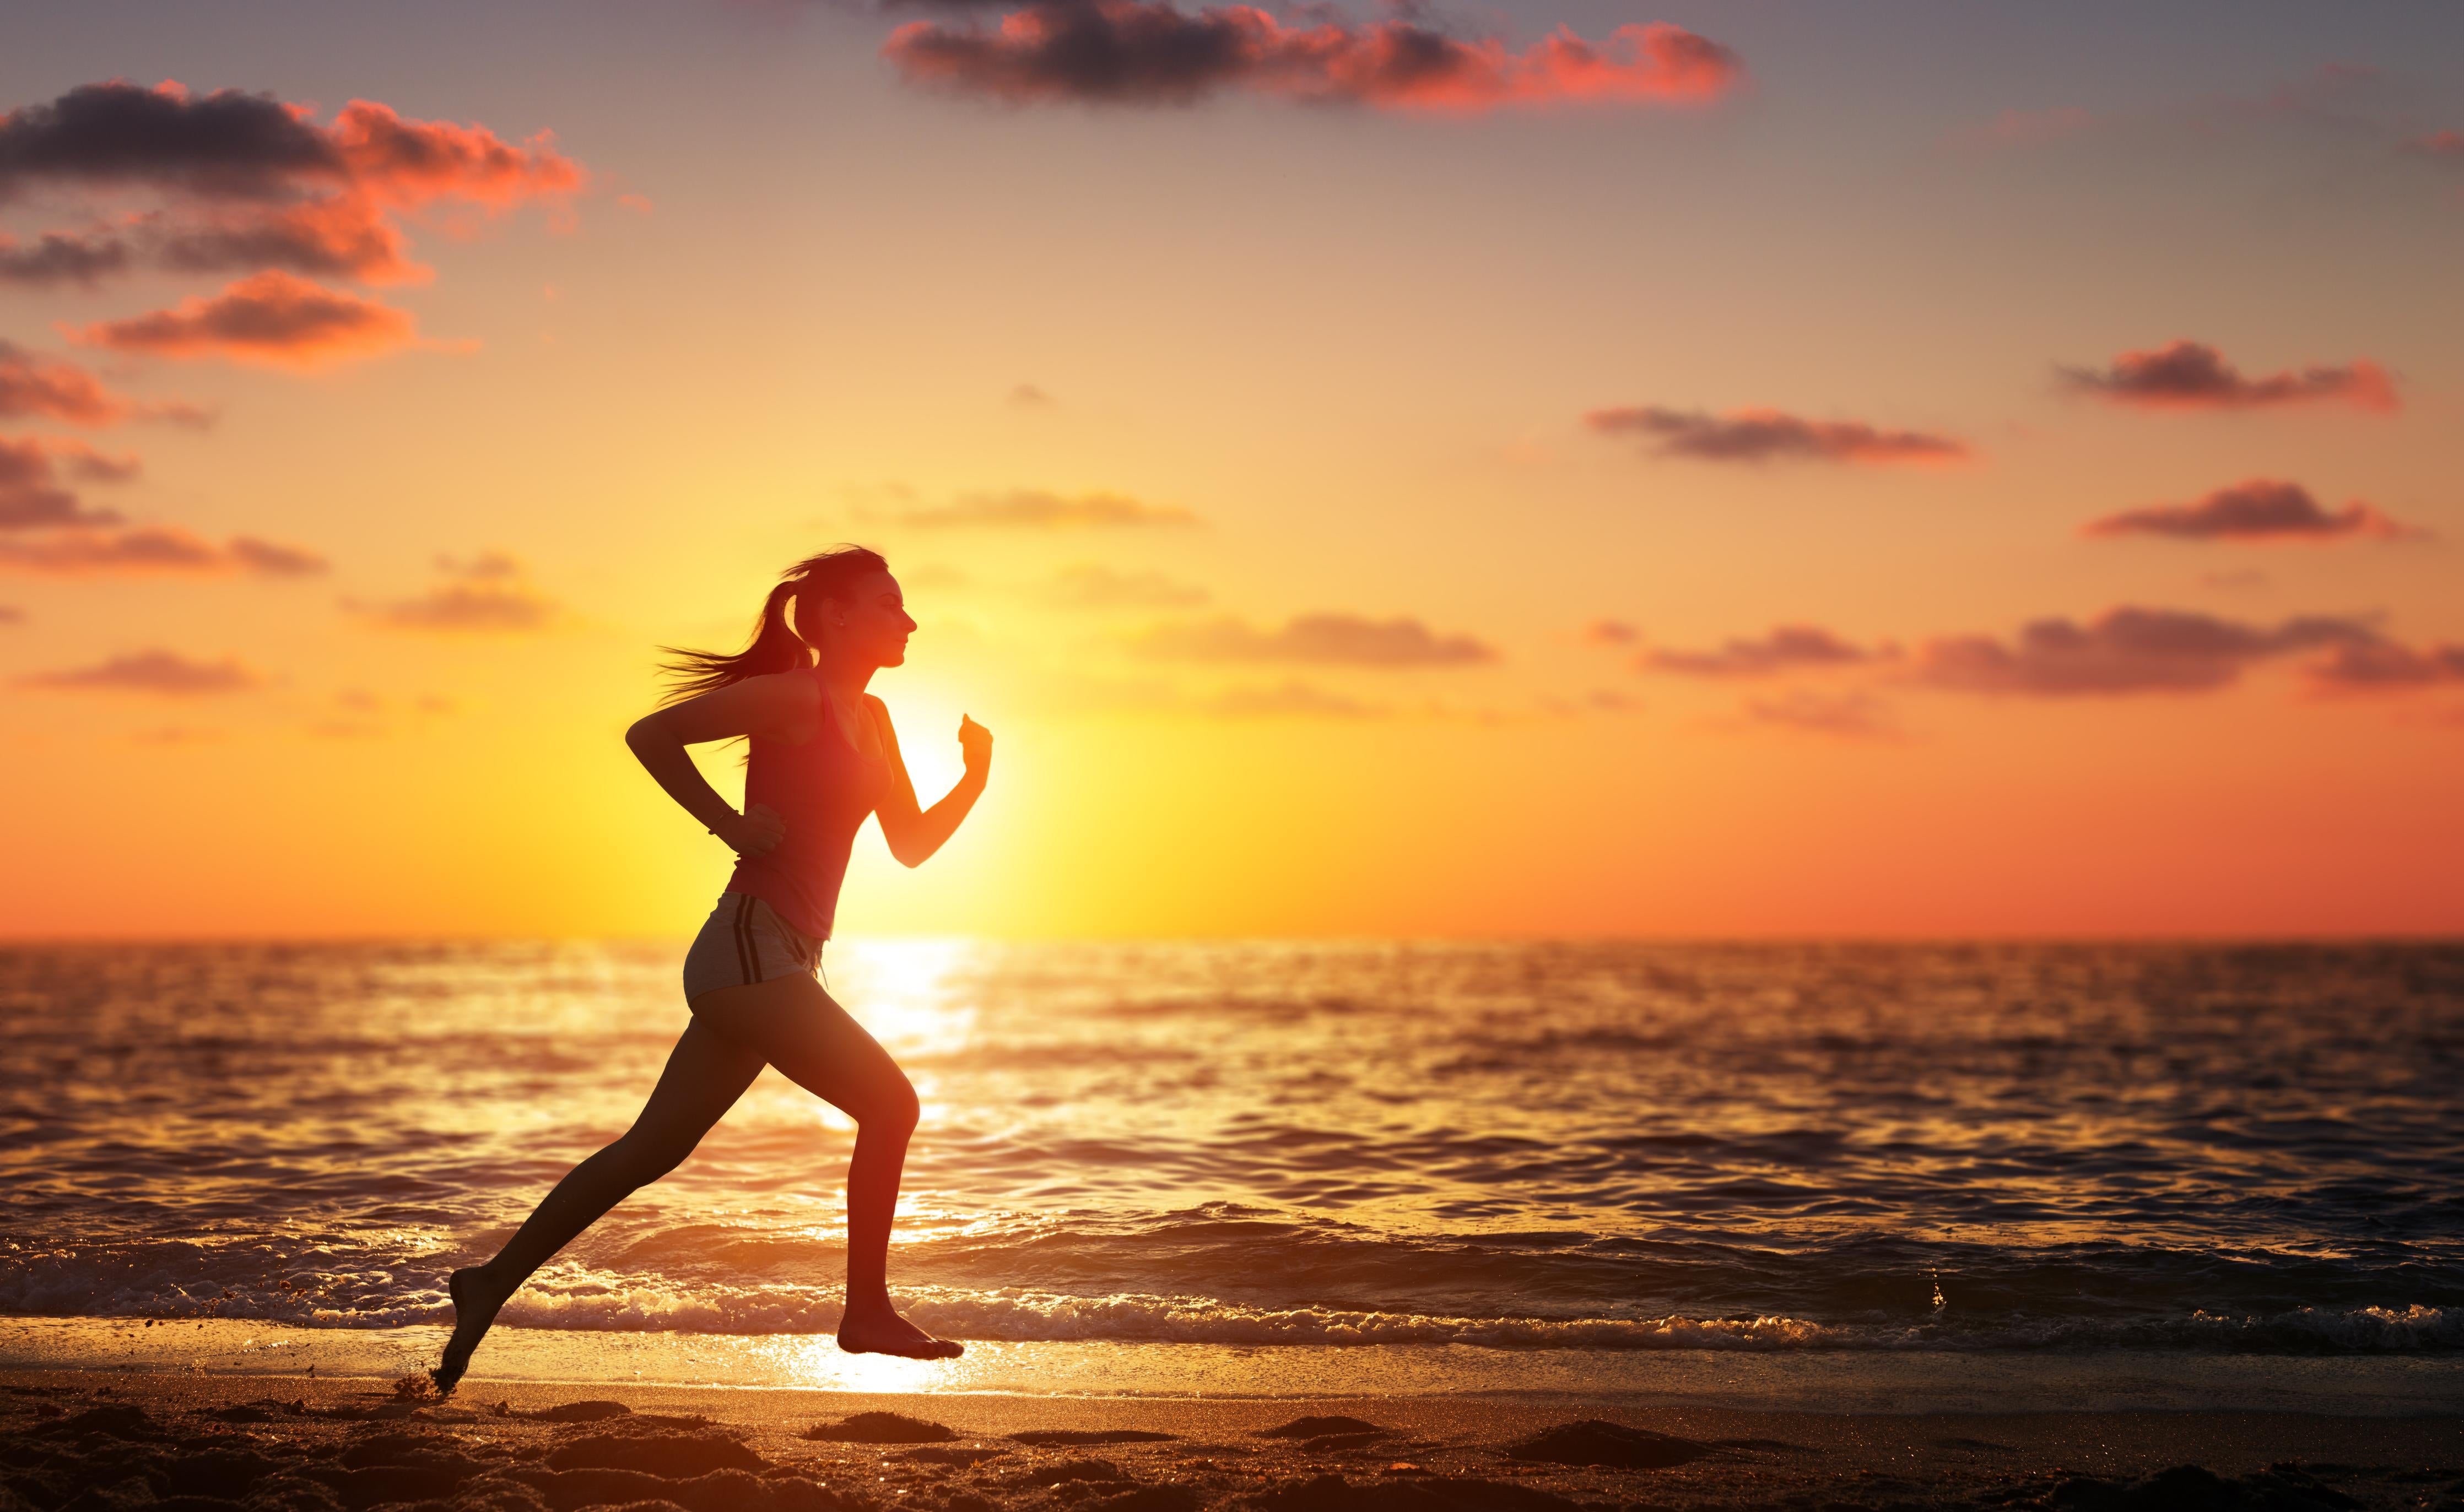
(2191, 375)
(2379, 666)
(226, 145)
(1033, 509)
(2125, 650)
(36, 385)
(1347, 640)
(1768, 435)
(1854, 715)
(31, 495)
(87, 552)
(489, 594)
(166, 673)
(1788, 649)
(58, 257)
(1090, 585)
(1151, 53)
(2259, 509)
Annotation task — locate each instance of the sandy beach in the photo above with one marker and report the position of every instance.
(87, 1441)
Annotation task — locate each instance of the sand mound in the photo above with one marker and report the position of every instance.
(1593, 1442)
(1069, 1470)
(2190, 1488)
(880, 1428)
(573, 1413)
(1057, 1437)
(1334, 1494)
(950, 1456)
(1319, 1428)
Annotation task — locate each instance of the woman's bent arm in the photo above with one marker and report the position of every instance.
(772, 706)
(915, 834)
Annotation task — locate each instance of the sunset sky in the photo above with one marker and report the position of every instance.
(1721, 468)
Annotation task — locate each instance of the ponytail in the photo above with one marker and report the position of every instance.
(775, 646)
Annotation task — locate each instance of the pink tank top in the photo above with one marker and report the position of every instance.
(823, 789)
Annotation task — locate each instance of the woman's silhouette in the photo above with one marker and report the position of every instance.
(822, 757)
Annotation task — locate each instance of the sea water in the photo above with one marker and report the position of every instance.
(2164, 1175)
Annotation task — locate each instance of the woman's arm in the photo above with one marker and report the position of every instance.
(913, 834)
(776, 706)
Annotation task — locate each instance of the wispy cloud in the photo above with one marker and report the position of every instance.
(1288, 700)
(162, 672)
(1152, 53)
(1340, 639)
(32, 385)
(2191, 375)
(1855, 715)
(1035, 508)
(89, 551)
(1610, 632)
(490, 594)
(1092, 585)
(1768, 435)
(1787, 649)
(2123, 650)
(2257, 510)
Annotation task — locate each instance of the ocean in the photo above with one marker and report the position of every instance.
(1978, 1174)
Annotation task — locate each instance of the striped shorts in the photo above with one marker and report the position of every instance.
(744, 941)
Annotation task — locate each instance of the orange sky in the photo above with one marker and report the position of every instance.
(1741, 479)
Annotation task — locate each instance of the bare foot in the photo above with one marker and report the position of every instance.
(878, 1329)
(474, 1307)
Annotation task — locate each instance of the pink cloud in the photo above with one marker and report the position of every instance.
(2257, 510)
(1148, 53)
(31, 385)
(2191, 375)
(488, 594)
(33, 493)
(1855, 715)
(270, 317)
(2386, 667)
(1768, 435)
(1317, 639)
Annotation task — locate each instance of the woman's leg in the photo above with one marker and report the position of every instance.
(706, 1073)
(812, 1041)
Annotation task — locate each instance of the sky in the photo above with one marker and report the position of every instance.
(1745, 469)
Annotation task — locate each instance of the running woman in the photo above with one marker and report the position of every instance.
(824, 756)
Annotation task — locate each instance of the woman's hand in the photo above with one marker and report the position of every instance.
(975, 745)
(755, 832)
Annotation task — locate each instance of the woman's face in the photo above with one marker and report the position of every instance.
(870, 622)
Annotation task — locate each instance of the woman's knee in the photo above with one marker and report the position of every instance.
(639, 1161)
(893, 1109)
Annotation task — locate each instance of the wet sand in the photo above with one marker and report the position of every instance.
(95, 1443)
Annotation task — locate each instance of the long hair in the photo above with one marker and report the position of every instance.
(775, 646)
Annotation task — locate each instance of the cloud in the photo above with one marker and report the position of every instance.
(1090, 585)
(2025, 128)
(254, 184)
(2125, 650)
(1610, 632)
(11, 614)
(1790, 648)
(1767, 435)
(2385, 666)
(56, 257)
(1289, 700)
(31, 385)
(2191, 375)
(2255, 509)
(1344, 639)
(86, 552)
(1026, 396)
(2447, 145)
(1032, 509)
(270, 317)
(31, 495)
(166, 673)
(1151, 53)
(488, 594)
(1856, 715)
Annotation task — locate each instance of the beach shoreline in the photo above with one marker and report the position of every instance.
(297, 1441)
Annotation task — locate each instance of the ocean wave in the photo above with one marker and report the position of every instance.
(569, 1296)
